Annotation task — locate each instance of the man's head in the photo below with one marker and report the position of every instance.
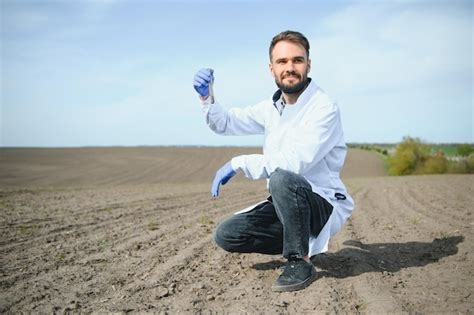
(289, 61)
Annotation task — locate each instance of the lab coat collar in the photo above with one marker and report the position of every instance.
(278, 93)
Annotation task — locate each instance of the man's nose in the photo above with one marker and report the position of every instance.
(290, 66)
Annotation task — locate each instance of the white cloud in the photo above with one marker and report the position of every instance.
(387, 47)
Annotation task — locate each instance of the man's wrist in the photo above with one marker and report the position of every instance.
(209, 99)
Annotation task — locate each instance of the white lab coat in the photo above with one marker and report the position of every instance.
(307, 139)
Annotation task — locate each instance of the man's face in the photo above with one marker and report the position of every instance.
(290, 66)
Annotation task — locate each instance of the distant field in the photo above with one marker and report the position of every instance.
(448, 149)
(77, 167)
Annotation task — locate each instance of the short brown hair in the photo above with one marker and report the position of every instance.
(291, 36)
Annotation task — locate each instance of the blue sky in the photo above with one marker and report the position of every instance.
(102, 73)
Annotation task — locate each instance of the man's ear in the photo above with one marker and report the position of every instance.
(309, 65)
(270, 67)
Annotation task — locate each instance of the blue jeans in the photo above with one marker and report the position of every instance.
(281, 225)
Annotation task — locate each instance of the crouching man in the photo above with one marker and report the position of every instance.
(303, 154)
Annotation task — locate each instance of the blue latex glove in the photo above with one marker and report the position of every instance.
(202, 79)
(222, 176)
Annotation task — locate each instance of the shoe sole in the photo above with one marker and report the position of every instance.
(295, 287)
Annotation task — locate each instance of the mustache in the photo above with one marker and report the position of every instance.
(290, 74)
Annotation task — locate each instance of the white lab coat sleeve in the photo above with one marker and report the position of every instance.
(252, 165)
(313, 138)
(235, 121)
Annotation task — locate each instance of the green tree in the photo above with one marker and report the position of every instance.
(436, 164)
(410, 156)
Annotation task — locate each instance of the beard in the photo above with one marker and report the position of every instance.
(294, 88)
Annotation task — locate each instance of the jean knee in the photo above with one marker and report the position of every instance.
(278, 179)
(219, 237)
(282, 180)
(225, 237)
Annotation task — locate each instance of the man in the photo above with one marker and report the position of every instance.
(303, 153)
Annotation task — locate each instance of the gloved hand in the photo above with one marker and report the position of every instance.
(222, 176)
(202, 79)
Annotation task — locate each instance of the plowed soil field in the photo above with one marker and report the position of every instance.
(130, 230)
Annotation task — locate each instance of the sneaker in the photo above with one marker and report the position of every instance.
(297, 274)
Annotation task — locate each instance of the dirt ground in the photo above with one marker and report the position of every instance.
(130, 230)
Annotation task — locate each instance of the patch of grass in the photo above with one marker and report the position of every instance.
(447, 149)
(415, 221)
(152, 226)
(205, 220)
(185, 227)
(23, 228)
(103, 244)
(26, 228)
(360, 306)
(453, 149)
(61, 257)
(443, 235)
(107, 209)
